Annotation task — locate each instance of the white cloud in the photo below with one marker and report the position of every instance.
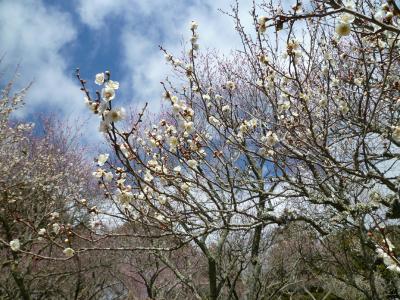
(33, 35)
(96, 12)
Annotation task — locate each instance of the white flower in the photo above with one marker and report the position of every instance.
(230, 85)
(262, 20)
(394, 268)
(226, 109)
(264, 152)
(214, 121)
(173, 143)
(54, 215)
(168, 57)
(264, 59)
(262, 26)
(69, 252)
(193, 25)
(335, 81)
(148, 177)
(108, 176)
(176, 107)
(347, 18)
(194, 38)
(94, 106)
(98, 173)
(42, 231)
(56, 228)
(188, 127)
(124, 196)
(396, 133)
(206, 97)
(108, 94)
(343, 107)
(160, 217)
(270, 139)
(15, 245)
(102, 158)
(112, 84)
(323, 102)
(177, 169)
(343, 29)
(185, 186)
(359, 81)
(114, 115)
(192, 163)
(162, 199)
(99, 78)
(349, 4)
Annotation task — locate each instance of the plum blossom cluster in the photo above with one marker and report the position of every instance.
(102, 105)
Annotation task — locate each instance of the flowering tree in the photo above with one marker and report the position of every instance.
(300, 126)
(42, 179)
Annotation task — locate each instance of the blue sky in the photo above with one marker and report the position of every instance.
(50, 38)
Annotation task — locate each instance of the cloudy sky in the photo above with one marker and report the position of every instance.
(48, 39)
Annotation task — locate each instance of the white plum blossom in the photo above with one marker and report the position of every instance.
(177, 169)
(99, 173)
(262, 24)
(264, 59)
(115, 115)
(192, 163)
(56, 228)
(262, 20)
(69, 252)
(124, 196)
(185, 186)
(270, 139)
(358, 81)
(108, 176)
(226, 109)
(214, 121)
(108, 94)
(343, 26)
(193, 25)
(148, 177)
(99, 78)
(188, 127)
(323, 102)
(173, 143)
(15, 245)
(390, 262)
(55, 215)
(349, 4)
(343, 29)
(112, 84)
(230, 85)
(347, 18)
(42, 231)
(396, 133)
(343, 107)
(102, 158)
(162, 199)
(206, 97)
